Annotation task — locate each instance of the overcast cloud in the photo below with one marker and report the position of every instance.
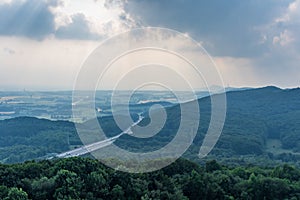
(226, 28)
(31, 19)
(254, 42)
(265, 34)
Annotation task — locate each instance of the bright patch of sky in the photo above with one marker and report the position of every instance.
(102, 20)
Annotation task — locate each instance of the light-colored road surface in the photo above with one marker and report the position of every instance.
(97, 145)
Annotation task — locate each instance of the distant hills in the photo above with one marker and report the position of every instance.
(262, 126)
(262, 122)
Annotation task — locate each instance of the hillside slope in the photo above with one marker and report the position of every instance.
(261, 122)
(261, 125)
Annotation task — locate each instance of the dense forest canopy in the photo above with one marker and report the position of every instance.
(84, 178)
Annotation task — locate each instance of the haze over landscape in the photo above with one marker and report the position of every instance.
(149, 99)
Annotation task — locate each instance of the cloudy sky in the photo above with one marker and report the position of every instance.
(43, 43)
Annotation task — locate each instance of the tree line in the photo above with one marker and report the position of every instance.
(85, 178)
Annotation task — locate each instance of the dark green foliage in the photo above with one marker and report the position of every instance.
(16, 194)
(83, 178)
(27, 138)
(255, 118)
(211, 166)
(68, 185)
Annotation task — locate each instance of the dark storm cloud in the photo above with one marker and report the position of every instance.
(228, 28)
(30, 18)
(34, 19)
(77, 29)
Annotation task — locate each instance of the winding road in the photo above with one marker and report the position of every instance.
(97, 145)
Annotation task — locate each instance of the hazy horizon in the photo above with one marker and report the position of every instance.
(147, 90)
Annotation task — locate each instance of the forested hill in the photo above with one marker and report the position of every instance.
(79, 178)
(263, 102)
(262, 125)
(265, 120)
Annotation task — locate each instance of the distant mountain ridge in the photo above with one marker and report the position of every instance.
(263, 121)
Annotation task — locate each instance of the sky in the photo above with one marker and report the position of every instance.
(44, 43)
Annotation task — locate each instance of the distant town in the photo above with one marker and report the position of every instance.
(58, 105)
